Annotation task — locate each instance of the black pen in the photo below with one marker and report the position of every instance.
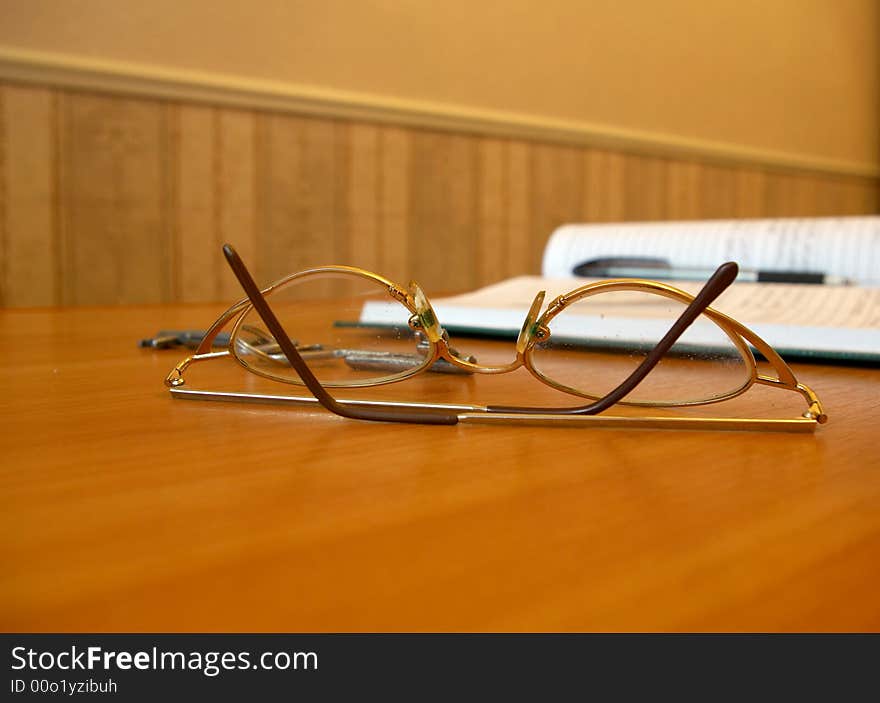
(642, 267)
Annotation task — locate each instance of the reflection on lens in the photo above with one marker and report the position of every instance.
(597, 342)
(321, 312)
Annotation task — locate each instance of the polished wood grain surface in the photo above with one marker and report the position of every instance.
(109, 199)
(122, 509)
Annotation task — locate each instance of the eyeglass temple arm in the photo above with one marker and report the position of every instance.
(724, 275)
(305, 373)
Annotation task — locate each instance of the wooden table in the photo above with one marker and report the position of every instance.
(126, 510)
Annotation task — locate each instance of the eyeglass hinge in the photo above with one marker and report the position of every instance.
(558, 302)
(398, 294)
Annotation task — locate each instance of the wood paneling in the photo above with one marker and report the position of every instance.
(115, 244)
(359, 210)
(195, 229)
(29, 249)
(519, 209)
(109, 199)
(443, 245)
(395, 145)
(683, 190)
(556, 194)
(604, 186)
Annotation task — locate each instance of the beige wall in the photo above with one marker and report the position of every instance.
(793, 76)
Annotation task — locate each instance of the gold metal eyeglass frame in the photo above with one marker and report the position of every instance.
(535, 329)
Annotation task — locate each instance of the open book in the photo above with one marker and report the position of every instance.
(816, 321)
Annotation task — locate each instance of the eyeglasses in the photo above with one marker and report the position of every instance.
(357, 329)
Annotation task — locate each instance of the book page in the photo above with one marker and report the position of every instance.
(796, 319)
(775, 303)
(838, 246)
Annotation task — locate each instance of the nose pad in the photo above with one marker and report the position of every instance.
(426, 324)
(425, 319)
(529, 330)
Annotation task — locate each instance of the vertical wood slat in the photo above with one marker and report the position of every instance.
(604, 186)
(717, 195)
(505, 209)
(280, 157)
(750, 186)
(781, 195)
(299, 196)
(27, 198)
(493, 205)
(109, 199)
(235, 191)
(645, 188)
(557, 194)
(683, 190)
(861, 196)
(198, 271)
(443, 207)
(519, 210)
(113, 198)
(359, 213)
(395, 227)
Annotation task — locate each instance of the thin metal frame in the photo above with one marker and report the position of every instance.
(535, 329)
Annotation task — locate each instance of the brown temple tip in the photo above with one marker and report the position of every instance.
(726, 273)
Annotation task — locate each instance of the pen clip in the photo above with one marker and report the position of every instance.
(594, 268)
